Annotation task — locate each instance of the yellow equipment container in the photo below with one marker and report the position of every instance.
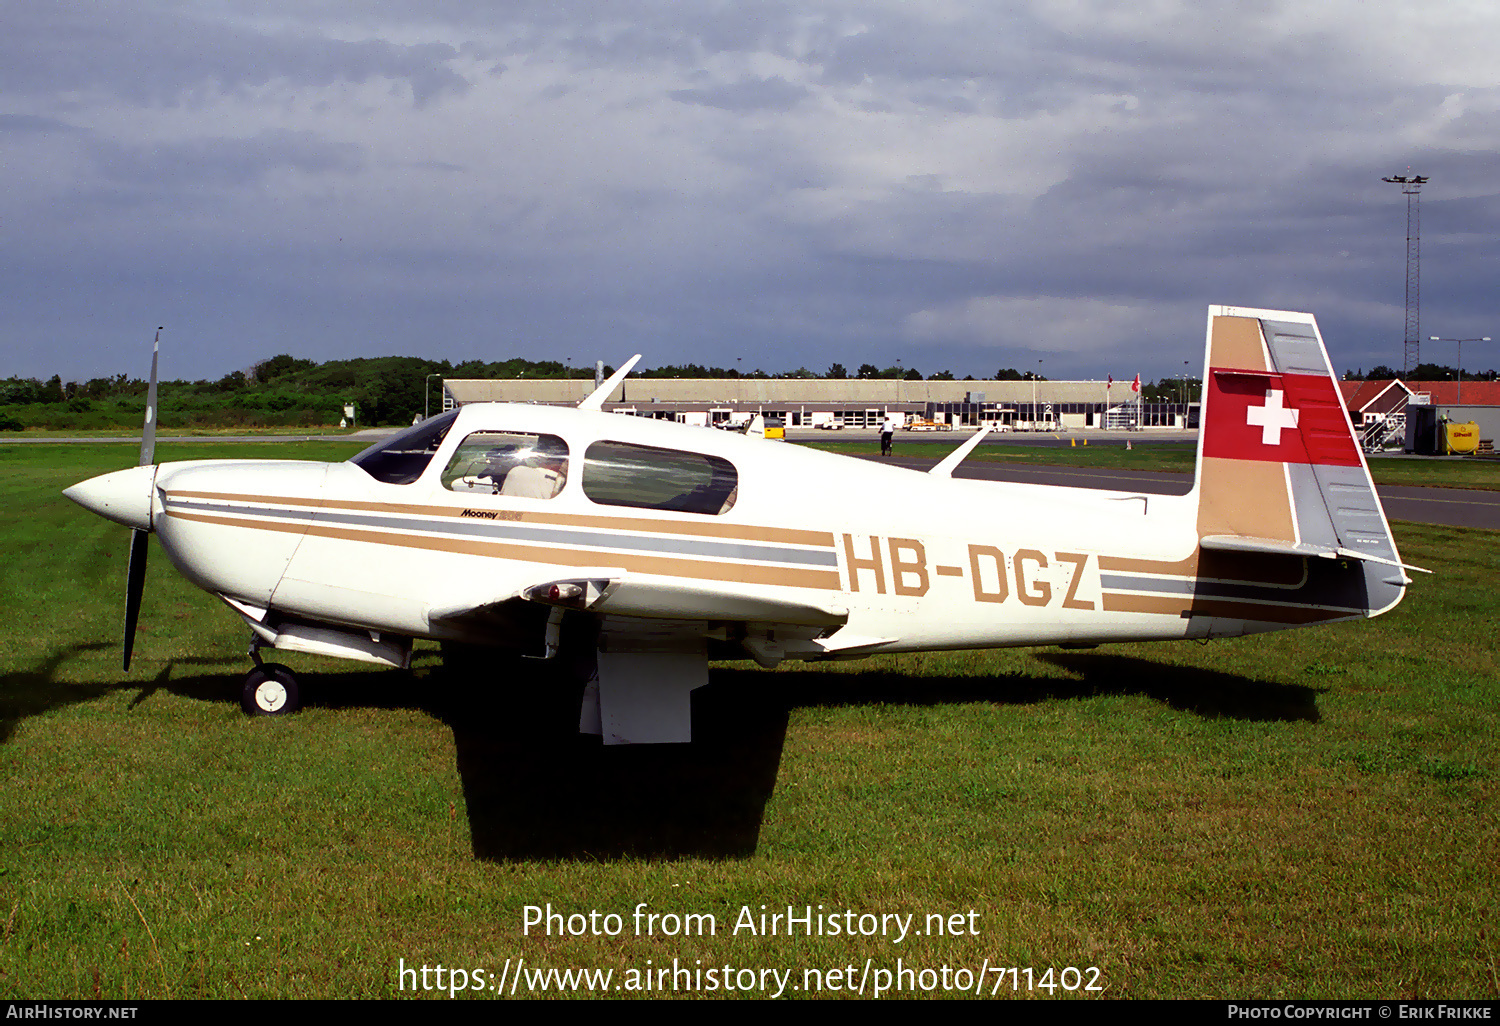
(1460, 439)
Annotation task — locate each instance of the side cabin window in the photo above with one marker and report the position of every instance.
(643, 476)
(401, 458)
(508, 463)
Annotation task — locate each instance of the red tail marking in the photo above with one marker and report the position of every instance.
(1277, 418)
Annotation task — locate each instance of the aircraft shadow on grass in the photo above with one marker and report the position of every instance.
(535, 788)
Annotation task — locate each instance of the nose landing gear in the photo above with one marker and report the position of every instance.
(270, 689)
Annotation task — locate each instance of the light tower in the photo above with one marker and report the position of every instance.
(1411, 187)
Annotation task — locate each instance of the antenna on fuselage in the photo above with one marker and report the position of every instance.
(954, 458)
(596, 398)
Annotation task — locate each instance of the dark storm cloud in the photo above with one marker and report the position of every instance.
(757, 94)
(31, 124)
(788, 184)
(218, 163)
(153, 56)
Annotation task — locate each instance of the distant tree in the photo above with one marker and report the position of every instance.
(1010, 374)
(869, 370)
(1164, 391)
(942, 375)
(912, 374)
(1382, 373)
(1433, 372)
(837, 372)
(279, 366)
(20, 391)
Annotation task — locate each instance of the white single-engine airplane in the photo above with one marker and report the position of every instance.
(649, 547)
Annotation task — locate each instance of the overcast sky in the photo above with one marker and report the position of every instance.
(954, 185)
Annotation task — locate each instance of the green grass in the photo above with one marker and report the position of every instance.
(1302, 815)
(1167, 457)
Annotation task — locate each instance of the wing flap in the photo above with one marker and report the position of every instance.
(684, 600)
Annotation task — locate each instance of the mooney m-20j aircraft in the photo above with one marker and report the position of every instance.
(651, 547)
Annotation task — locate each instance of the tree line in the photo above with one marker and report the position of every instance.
(290, 391)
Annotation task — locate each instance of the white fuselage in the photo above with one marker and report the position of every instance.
(918, 562)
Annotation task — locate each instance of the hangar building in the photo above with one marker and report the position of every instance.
(852, 402)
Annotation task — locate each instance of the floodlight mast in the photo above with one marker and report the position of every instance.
(1460, 342)
(1411, 188)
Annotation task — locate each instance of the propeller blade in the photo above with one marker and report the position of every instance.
(135, 584)
(148, 432)
(135, 576)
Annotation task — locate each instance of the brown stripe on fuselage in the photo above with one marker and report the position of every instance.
(1241, 567)
(667, 566)
(696, 528)
(1185, 606)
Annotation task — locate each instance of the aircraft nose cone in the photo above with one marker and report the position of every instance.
(123, 496)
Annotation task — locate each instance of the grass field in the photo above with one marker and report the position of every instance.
(1303, 815)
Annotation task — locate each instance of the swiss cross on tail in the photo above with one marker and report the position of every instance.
(1277, 418)
(1272, 417)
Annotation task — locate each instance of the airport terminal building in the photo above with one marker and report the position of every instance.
(852, 403)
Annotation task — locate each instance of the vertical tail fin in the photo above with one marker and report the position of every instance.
(1279, 469)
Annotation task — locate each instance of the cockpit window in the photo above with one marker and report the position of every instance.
(643, 476)
(509, 463)
(401, 458)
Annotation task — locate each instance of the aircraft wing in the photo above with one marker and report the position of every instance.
(653, 646)
(616, 592)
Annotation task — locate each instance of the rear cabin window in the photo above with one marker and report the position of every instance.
(401, 458)
(645, 477)
(508, 463)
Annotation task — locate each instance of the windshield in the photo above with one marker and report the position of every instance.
(401, 458)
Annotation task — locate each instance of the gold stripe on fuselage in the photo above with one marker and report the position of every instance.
(666, 566)
(1231, 567)
(696, 528)
(1186, 605)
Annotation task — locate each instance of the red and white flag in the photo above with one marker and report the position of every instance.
(1135, 386)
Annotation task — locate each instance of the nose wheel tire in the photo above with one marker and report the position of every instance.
(270, 690)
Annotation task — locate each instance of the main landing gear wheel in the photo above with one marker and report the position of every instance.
(270, 690)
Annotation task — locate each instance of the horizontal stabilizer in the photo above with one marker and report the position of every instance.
(1275, 547)
(1266, 546)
